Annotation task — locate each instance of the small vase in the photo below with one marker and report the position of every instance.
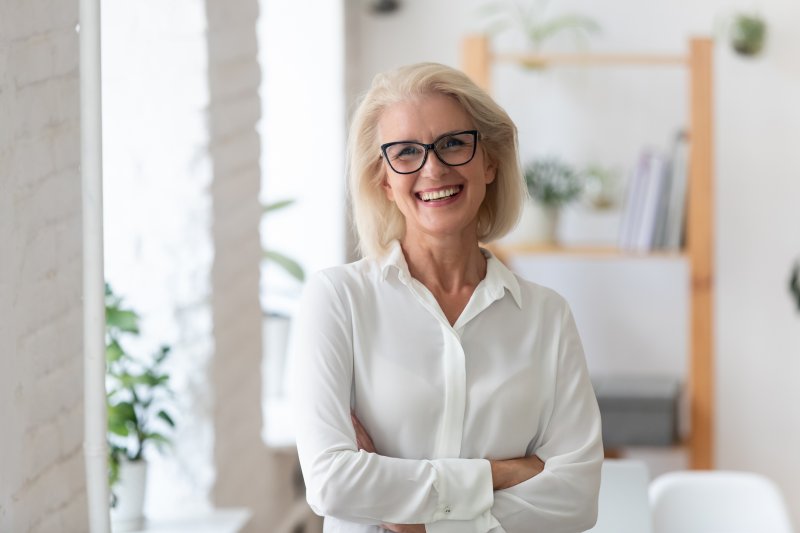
(538, 225)
(127, 514)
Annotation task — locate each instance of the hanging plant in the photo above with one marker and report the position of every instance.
(794, 284)
(748, 34)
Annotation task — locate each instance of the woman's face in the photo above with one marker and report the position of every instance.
(426, 119)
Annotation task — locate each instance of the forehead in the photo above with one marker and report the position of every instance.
(422, 118)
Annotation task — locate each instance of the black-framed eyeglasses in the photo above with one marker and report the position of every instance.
(452, 149)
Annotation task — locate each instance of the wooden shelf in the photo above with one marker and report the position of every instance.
(584, 60)
(477, 61)
(599, 252)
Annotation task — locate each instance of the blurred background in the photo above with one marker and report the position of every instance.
(224, 127)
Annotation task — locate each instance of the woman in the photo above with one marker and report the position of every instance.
(436, 391)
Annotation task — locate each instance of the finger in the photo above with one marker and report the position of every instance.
(356, 421)
(363, 440)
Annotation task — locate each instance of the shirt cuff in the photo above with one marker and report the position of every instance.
(464, 487)
(482, 524)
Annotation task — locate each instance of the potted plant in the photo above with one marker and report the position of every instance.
(137, 391)
(533, 21)
(748, 33)
(551, 185)
(552, 182)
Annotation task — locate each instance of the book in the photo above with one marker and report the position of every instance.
(644, 208)
(652, 201)
(631, 207)
(672, 236)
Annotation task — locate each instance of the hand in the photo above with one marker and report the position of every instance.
(363, 440)
(510, 472)
(405, 528)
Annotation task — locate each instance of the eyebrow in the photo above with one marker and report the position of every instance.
(445, 134)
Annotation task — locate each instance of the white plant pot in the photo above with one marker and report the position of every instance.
(538, 225)
(128, 514)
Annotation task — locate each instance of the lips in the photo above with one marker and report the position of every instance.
(440, 194)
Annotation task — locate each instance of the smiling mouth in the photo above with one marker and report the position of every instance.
(442, 194)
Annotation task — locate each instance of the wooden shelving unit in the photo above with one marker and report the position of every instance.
(477, 62)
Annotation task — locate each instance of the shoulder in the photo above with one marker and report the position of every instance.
(343, 280)
(537, 298)
(359, 272)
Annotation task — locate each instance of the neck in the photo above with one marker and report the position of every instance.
(446, 265)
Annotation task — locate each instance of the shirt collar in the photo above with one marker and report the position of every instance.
(498, 277)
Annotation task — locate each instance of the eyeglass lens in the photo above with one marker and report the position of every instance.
(454, 150)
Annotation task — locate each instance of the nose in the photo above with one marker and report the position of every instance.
(433, 167)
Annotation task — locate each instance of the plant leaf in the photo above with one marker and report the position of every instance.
(289, 265)
(166, 418)
(575, 23)
(162, 354)
(121, 417)
(277, 206)
(794, 284)
(122, 319)
(156, 438)
(114, 352)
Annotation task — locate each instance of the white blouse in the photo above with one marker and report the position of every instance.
(508, 380)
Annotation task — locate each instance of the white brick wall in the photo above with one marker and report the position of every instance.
(247, 473)
(42, 485)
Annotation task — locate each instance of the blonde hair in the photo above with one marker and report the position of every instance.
(377, 219)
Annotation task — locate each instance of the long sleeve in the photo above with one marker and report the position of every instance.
(354, 485)
(563, 498)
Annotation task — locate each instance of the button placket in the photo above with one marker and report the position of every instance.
(448, 442)
(454, 367)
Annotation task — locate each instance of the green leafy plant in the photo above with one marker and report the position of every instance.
(552, 182)
(136, 390)
(748, 34)
(288, 264)
(533, 21)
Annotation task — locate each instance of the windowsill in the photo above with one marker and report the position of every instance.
(216, 521)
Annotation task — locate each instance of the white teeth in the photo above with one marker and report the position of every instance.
(437, 195)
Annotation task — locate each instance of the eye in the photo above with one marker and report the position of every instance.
(450, 142)
(403, 151)
(408, 150)
(454, 142)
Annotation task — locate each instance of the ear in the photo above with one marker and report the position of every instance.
(387, 188)
(489, 172)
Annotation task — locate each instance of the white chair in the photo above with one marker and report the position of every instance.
(623, 505)
(717, 502)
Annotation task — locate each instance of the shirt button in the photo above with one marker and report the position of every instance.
(447, 510)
